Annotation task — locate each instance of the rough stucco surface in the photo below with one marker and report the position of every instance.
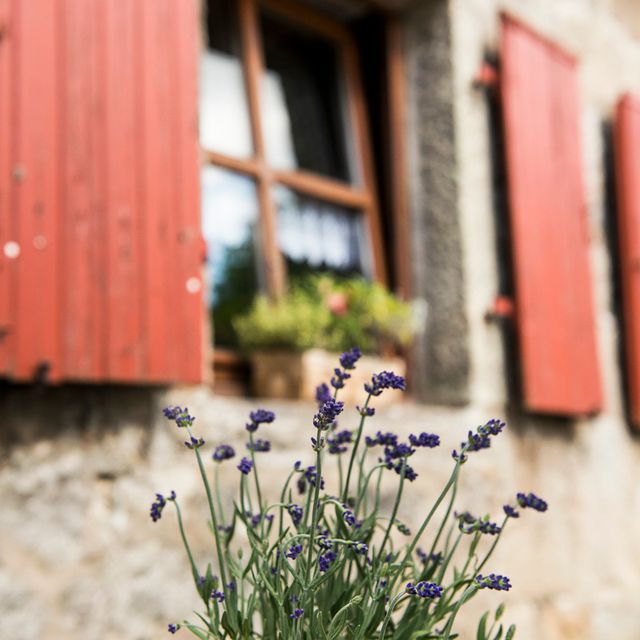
(441, 358)
(582, 580)
(80, 558)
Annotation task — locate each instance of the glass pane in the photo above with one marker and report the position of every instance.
(320, 236)
(224, 113)
(230, 228)
(302, 101)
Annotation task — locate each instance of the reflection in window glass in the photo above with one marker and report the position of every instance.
(224, 113)
(230, 228)
(319, 236)
(302, 105)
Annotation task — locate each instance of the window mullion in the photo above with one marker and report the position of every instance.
(358, 114)
(254, 68)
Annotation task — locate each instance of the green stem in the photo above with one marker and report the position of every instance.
(452, 480)
(214, 520)
(394, 512)
(493, 546)
(218, 497)
(392, 606)
(194, 569)
(255, 473)
(345, 493)
(365, 486)
(446, 634)
(446, 559)
(444, 520)
(376, 505)
(314, 516)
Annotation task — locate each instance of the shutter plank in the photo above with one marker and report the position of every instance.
(124, 356)
(554, 302)
(36, 187)
(83, 293)
(160, 193)
(7, 268)
(188, 251)
(627, 149)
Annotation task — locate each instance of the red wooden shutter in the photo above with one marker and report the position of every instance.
(554, 305)
(6, 232)
(627, 146)
(99, 136)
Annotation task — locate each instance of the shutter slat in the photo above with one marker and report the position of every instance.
(83, 298)
(188, 252)
(157, 186)
(554, 305)
(36, 181)
(627, 149)
(124, 360)
(7, 266)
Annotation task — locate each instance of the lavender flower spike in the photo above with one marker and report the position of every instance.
(532, 502)
(327, 414)
(349, 358)
(245, 466)
(424, 589)
(258, 417)
(385, 380)
(223, 452)
(179, 415)
(493, 581)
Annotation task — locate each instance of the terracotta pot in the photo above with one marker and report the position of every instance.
(281, 374)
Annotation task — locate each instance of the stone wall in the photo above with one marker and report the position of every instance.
(584, 571)
(79, 556)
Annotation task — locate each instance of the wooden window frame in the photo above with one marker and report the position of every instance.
(362, 197)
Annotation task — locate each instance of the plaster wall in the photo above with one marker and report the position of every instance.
(587, 574)
(79, 556)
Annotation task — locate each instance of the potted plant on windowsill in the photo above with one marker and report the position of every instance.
(293, 341)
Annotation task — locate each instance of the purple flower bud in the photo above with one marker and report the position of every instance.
(384, 380)
(424, 589)
(259, 446)
(245, 466)
(493, 581)
(223, 452)
(258, 417)
(349, 358)
(532, 501)
(429, 440)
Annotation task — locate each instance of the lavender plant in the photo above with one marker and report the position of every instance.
(328, 566)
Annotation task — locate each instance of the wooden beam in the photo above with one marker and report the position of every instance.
(307, 17)
(248, 167)
(397, 155)
(324, 188)
(254, 70)
(357, 112)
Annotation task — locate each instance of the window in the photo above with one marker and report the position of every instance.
(287, 184)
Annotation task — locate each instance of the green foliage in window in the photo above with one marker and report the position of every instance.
(330, 313)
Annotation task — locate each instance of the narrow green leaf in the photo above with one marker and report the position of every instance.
(511, 631)
(319, 624)
(499, 612)
(269, 587)
(340, 619)
(226, 626)
(196, 632)
(482, 627)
